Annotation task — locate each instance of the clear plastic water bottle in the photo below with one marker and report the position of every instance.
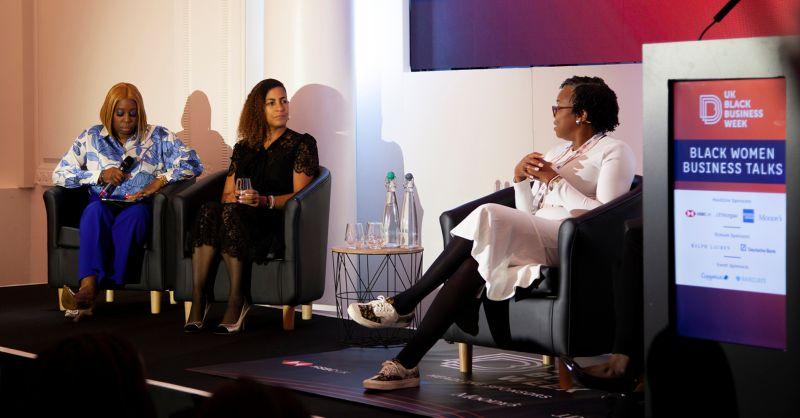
(409, 228)
(391, 226)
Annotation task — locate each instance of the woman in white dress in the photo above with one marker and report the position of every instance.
(498, 248)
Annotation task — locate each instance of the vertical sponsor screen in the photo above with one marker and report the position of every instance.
(729, 210)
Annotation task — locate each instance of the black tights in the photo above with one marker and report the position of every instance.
(201, 264)
(459, 272)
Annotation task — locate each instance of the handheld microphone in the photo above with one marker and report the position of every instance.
(127, 165)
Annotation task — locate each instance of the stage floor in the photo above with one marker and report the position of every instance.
(30, 321)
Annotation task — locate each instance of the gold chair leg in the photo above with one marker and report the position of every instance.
(307, 311)
(155, 302)
(288, 317)
(547, 360)
(60, 306)
(172, 300)
(465, 358)
(187, 309)
(109, 295)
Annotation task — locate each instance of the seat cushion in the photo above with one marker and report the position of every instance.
(69, 237)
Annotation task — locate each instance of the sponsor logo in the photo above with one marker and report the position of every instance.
(494, 386)
(749, 249)
(714, 276)
(690, 213)
(770, 218)
(736, 111)
(485, 400)
(710, 109)
(298, 363)
(500, 362)
(748, 216)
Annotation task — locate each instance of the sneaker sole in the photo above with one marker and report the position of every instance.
(391, 385)
(352, 311)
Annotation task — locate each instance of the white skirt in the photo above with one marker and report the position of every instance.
(510, 246)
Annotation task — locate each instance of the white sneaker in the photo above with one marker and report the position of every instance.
(378, 314)
(393, 376)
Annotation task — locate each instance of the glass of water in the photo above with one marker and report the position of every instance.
(242, 184)
(350, 235)
(361, 238)
(375, 235)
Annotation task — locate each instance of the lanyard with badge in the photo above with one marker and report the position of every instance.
(563, 159)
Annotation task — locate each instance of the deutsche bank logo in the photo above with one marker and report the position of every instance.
(748, 216)
(710, 109)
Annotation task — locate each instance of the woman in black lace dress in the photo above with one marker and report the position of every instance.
(249, 228)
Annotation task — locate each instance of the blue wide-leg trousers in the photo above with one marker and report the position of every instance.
(110, 237)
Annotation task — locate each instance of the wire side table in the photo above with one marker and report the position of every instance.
(356, 279)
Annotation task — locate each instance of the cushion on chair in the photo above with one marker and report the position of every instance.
(69, 237)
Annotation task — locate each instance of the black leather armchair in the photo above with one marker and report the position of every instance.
(568, 310)
(297, 279)
(64, 208)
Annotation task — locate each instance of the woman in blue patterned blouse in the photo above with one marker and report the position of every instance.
(113, 228)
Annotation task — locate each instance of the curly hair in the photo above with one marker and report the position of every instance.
(253, 128)
(592, 94)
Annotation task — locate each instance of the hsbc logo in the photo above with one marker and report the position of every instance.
(710, 109)
(690, 213)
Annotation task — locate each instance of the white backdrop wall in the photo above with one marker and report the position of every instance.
(308, 45)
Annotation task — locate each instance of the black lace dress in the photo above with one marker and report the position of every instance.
(256, 233)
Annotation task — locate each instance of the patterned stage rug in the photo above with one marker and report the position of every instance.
(503, 383)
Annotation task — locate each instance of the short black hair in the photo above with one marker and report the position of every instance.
(592, 94)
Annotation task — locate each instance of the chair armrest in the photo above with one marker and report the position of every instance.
(186, 202)
(161, 209)
(63, 207)
(449, 219)
(590, 248)
(306, 217)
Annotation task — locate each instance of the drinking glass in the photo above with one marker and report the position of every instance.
(375, 235)
(242, 184)
(350, 235)
(360, 237)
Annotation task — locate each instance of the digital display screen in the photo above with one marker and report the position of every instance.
(728, 185)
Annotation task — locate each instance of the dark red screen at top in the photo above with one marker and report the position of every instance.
(452, 34)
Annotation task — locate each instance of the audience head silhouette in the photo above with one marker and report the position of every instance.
(93, 375)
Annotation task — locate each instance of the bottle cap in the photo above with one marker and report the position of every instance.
(390, 175)
(409, 176)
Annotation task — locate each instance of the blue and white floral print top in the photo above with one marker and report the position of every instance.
(94, 150)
